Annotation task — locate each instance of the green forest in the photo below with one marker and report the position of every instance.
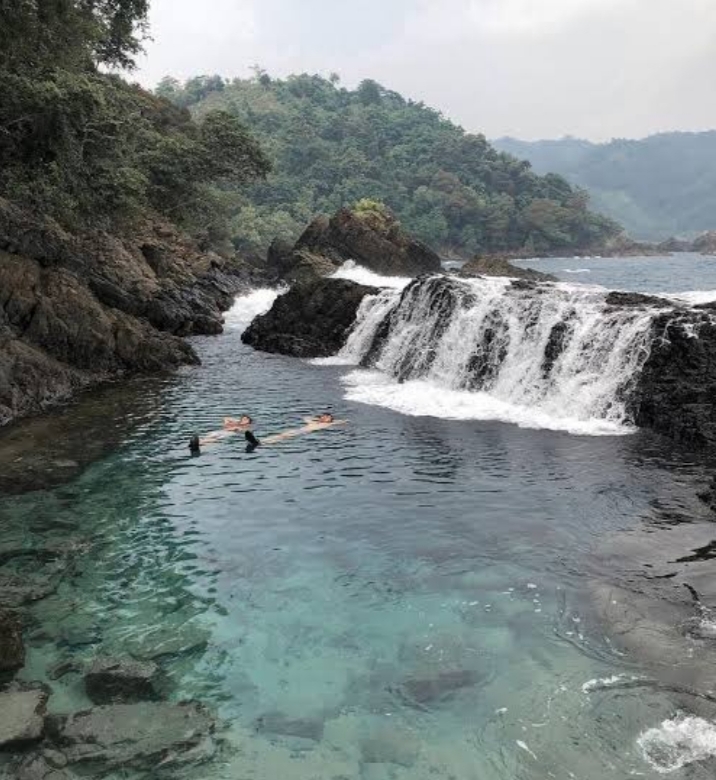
(657, 187)
(90, 149)
(331, 146)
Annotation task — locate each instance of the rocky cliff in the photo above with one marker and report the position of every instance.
(78, 310)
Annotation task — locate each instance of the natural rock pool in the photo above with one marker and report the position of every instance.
(402, 597)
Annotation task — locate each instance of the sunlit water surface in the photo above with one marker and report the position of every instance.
(413, 594)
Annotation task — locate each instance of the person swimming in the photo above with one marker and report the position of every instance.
(230, 425)
(317, 423)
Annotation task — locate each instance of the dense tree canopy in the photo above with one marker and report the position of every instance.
(661, 186)
(90, 149)
(332, 147)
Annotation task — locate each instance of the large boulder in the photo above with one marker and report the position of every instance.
(12, 649)
(111, 681)
(311, 320)
(137, 736)
(374, 239)
(22, 716)
(500, 266)
(371, 237)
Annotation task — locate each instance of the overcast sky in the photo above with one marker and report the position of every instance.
(528, 68)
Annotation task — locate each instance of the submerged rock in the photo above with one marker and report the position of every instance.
(282, 725)
(111, 681)
(39, 766)
(388, 744)
(422, 691)
(12, 648)
(138, 736)
(310, 320)
(22, 716)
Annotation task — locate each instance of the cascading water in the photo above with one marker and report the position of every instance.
(555, 356)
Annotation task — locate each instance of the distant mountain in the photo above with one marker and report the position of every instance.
(661, 186)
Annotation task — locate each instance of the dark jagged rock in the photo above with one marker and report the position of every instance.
(135, 736)
(22, 716)
(12, 648)
(373, 239)
(675, 394)
(499, 266)
(111, 681)
(622, 299)
(310, 320)
(555, 346)
(78, 310)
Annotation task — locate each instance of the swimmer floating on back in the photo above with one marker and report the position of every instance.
(231, 425)
(317, 423)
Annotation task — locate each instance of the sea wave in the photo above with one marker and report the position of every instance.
(357, 273)
(678, 742)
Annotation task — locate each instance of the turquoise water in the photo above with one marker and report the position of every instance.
(402, 597)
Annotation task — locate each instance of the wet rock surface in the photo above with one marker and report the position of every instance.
(12, 648)
(142, 736)
(22, 716)
(311, 320)
(618, 298)
(111, 681)
(675, 394)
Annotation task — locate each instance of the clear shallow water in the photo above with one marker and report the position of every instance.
(415, 595)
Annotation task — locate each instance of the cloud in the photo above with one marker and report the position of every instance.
(531, 68)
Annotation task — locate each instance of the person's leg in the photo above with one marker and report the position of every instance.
(251, 441)
(194, 445)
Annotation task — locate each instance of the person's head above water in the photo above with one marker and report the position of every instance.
(231, 423)
(324, 418)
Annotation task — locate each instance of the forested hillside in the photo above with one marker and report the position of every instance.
(661, 186)
(91, 150)
(331, 146)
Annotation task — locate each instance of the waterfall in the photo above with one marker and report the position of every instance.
(556, 356)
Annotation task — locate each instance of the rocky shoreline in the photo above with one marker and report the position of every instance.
(79, 310)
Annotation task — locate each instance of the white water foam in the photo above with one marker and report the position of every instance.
(692, 297)
(248, 306)
(508, 331)
(577, 270)
(421, 398)
(598, 684)
(357, 273)
(678, 742)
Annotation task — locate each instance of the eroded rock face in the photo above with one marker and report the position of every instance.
(12, 648)
(373, 240)
(141, 736)
(77, 310)
(22, 716)
(676, 392)
(310, 320)
(111, 681)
